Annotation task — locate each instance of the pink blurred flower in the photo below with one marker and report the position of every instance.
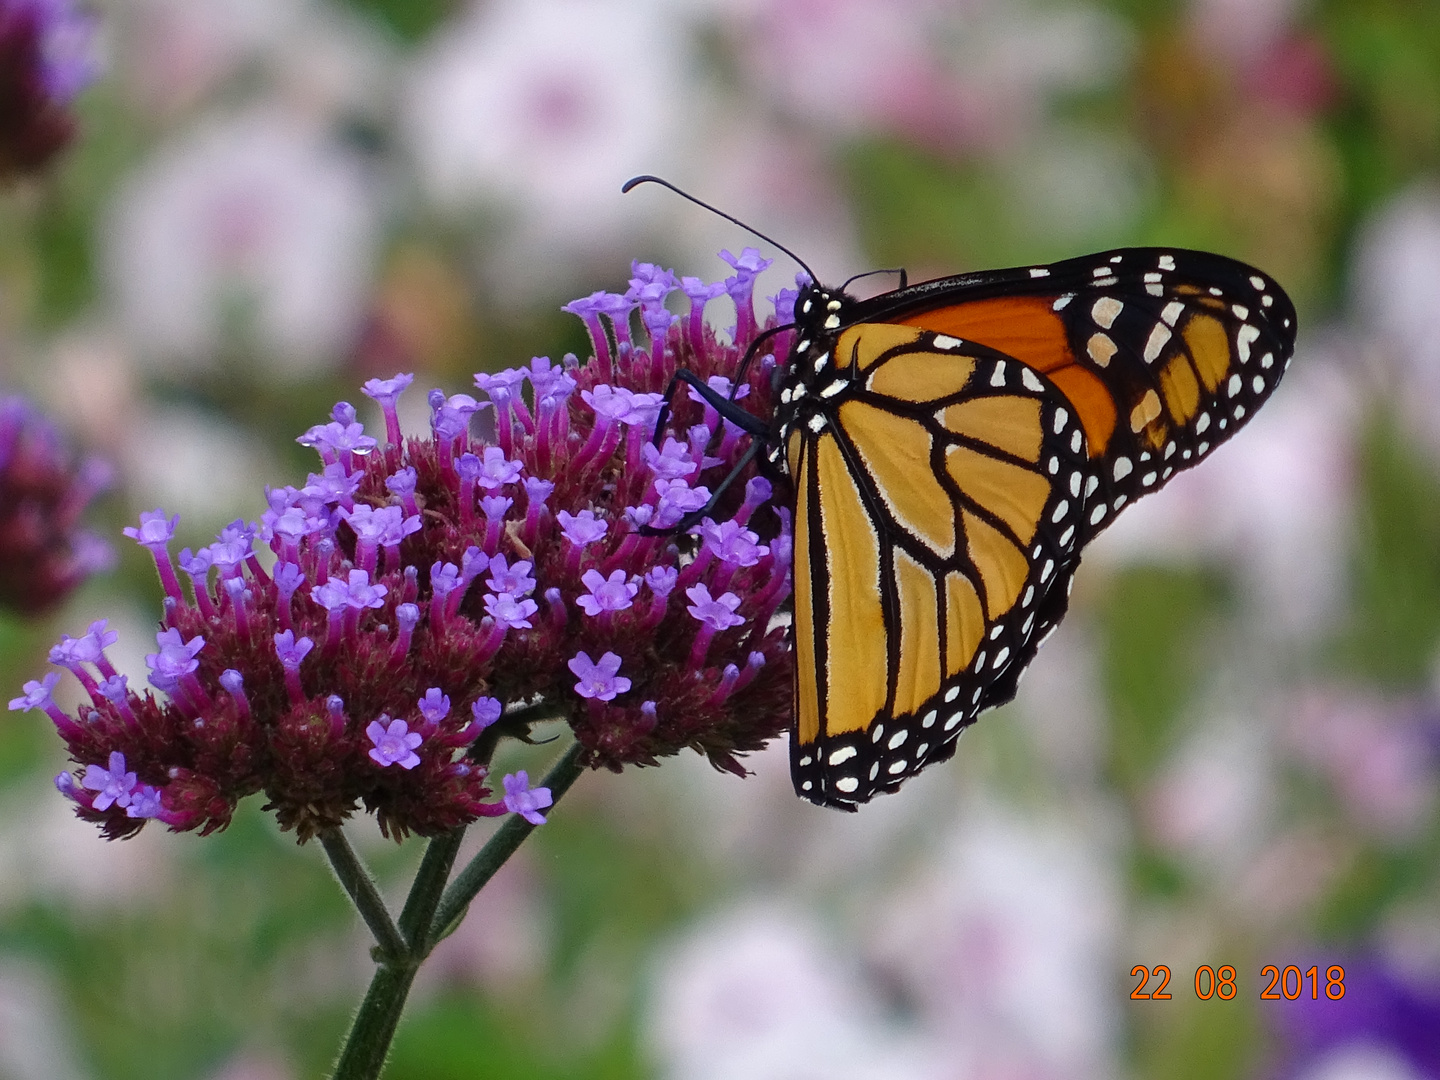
(1380, 755)
(946, 75)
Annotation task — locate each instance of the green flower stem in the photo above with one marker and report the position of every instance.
(368, 1044)
(427, 888)
(500, 847)
(430, 911)
(355, 879)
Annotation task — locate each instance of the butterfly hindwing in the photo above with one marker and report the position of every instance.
(954, 445)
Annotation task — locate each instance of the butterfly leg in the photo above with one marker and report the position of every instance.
(745, 421)
(695, 516)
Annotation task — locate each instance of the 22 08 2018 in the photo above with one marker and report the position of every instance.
(1288, 983)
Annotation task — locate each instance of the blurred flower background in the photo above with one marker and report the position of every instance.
(1227, 755)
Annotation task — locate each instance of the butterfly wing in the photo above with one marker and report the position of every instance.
(986, 428)
(1163, 353)
(936, 523)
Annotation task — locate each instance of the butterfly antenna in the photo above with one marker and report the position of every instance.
(636, 181)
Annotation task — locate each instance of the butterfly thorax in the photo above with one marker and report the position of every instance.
(813, 380)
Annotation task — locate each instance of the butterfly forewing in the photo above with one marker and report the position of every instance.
(936, 512)
(1164, 353)
(953, 447)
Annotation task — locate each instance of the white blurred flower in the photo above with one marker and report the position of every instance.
(1002, 942)
(1397, 292)
(49, 853)
(776, 179)
(1214, 800)
(37, 1040)
(759, 995)
(966, 74)
(257, 224)
(1275, 502)
(176, 54)
(195, 464)
(538, 110)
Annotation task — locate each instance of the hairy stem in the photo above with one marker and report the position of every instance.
(430, 911)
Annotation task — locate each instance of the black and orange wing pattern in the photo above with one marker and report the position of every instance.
(953, 447)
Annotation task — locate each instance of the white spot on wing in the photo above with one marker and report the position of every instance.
(1244, 339)
(1105, 311)
(1158, 337)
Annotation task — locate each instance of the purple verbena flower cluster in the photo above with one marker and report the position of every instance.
(46, 57)
(44, 553)
(419, 587)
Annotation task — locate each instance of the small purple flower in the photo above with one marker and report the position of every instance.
(497, 470)
(549, 380)
(510, 613)
(515, 580)
(486, 711)
(357, 592)
(502, 386)
(718, 613)
(700, 291)
(669, 462)
(676, 500)
(394, 744)
(155, 531)
(606, 594)
(598, 681)
(733, 543)
(145, 802)
(387, 391)
(37, 694)
(495, 507)
(662, 579)
(176, 657)
(610, 403)
(522, 799)
(582, 528)
(435, 705)
(114, 784)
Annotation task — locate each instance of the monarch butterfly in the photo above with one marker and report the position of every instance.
(954, 445)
